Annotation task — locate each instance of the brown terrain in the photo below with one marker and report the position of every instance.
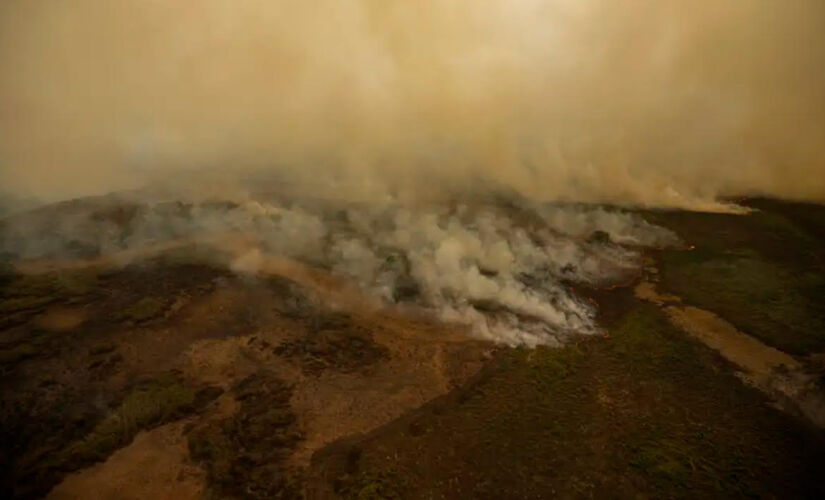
(161, 373)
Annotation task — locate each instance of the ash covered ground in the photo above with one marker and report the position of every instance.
(279, 347)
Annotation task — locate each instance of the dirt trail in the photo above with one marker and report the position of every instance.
(776, 373)
(743, 350)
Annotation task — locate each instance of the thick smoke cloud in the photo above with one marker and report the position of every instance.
(506, 268)
(640, 101)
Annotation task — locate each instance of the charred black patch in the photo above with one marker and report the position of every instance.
(335, 344)
(145, 292)
(293, 301)
(24, 296)
(245, 454)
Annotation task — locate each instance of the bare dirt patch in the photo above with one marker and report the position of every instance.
(61, 319)
(330, 393)
(155, 465)
(344, 364)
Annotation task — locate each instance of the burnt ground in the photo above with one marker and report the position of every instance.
(244, 454)
(101, 364)
(69, 397)
(174, 378)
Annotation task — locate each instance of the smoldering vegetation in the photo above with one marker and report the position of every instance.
(413, 112)
(504, 265)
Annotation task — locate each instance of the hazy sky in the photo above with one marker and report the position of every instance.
(651, 101)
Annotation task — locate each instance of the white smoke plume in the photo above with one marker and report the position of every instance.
(394, 133)
(504, 268)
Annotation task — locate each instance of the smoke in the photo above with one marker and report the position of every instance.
(641, 101)
(505, 269)
(444, 153)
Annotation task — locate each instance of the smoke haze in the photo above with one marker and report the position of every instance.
(410, 148)
(503, 268)
(641, 101)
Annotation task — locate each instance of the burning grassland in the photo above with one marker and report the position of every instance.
(282, 347)
(504, 268)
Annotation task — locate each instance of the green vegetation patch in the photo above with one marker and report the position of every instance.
(645, 412)
(386, 484)
(144, 310)
(25, 296)
(17, 353)
(764, 272)
(151, 404)
(77, 434)
(782, 307)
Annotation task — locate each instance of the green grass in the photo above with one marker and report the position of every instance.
(58, 283)
(24, 296)
(65, 440)
(143, 310)
(764, 272)
(14, 355)
(158, 401)
(374, 486)
(646, 412)
(777, 305)
(24, 303)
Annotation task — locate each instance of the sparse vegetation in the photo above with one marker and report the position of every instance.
(144, 310)
(24, 296)
(344, 350)
(75, 434)
(245, 454)
(779, 306)
(148, 405)
(646, 412)
(384, 485)
(762, 272)
(17, 353)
